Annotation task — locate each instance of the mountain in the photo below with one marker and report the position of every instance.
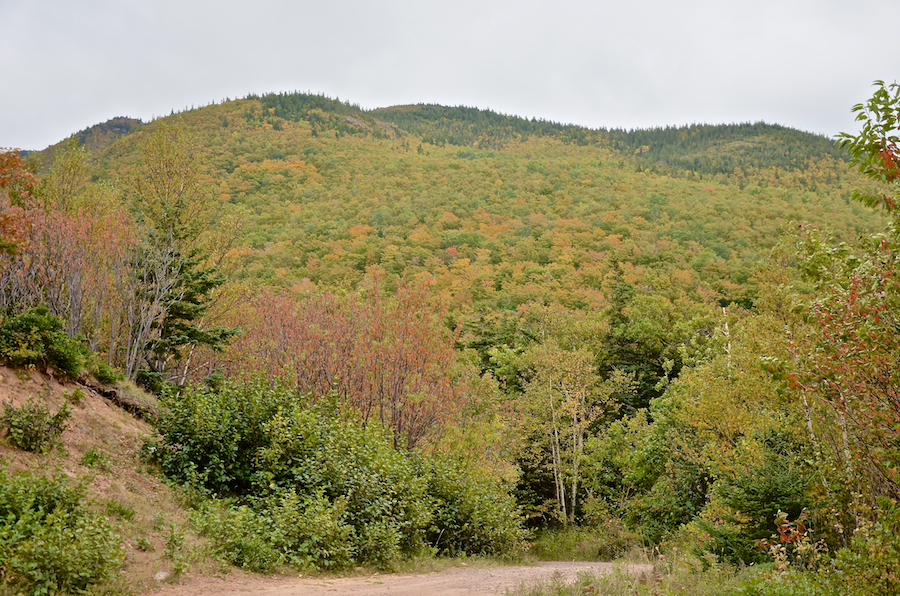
(94, 138)
(500, 210)
(622, 312)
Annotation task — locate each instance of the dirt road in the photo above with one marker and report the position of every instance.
(456, 581)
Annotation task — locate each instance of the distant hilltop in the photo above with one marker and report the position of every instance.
(673, 150)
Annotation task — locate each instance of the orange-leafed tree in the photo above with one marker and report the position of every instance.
(389, 358)
(16, 184)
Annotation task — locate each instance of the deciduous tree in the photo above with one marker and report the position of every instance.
(388, 357)
(16, 184)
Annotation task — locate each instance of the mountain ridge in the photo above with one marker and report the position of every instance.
(671, 149)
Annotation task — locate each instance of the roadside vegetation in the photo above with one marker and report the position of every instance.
(368, 338)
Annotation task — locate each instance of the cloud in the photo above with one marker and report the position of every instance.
(599, 64)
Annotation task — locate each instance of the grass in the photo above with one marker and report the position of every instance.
(661, 580)
(119, 510)
(94, 458)
(583, 544)
(427, 562)
(637, 571)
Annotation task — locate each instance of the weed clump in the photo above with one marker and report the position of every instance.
(76, 396)
(119, 510)
(31, 427)
(96, 459)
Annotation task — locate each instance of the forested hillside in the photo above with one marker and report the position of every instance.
(94, 138)
(320, 178)
(678, 337)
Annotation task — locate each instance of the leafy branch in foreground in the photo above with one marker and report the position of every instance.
(874, 150)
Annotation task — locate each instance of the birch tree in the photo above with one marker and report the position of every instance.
(564, 398)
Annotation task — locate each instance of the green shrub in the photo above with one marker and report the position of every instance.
(311, 531)
(105, 373)
(143, 545)
(50, 542)
(240, 536)
(152, 382)
(76, 396)
(873, 559)
(729, 543)
(869, 566)
(780, 483)
(159, 522)
(317, 449)
(119, 510)
(36, 337)
(211, 437)
(250, 438)
(174, 549)
(667, 506)
(363, 499)
(304, 533)
(67, 354)
(472, 515)
(32, 427)
(24, 338)
(96, 459)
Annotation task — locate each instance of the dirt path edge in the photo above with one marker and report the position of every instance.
(455, 581)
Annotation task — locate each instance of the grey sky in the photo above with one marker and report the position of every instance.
(67, 65)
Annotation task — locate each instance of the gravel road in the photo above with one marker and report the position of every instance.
(455, 581)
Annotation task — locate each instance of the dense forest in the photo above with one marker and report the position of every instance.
(424, 327)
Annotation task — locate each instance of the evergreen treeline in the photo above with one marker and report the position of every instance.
(474, 127)
(719, 149)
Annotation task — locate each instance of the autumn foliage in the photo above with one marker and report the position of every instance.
(851, 360)
(606, 311)
(16, 184)
(388, 357)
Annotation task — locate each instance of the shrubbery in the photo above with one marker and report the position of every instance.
(36, 337)
(31, 427)
(49, 542)
(472, 514)
(310, 486)
(284, 529)
(211, 438)
(105, 373)
(780, 483)
(316, 449)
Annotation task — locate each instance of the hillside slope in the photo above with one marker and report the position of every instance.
(94, 138)
(101, 445)
(497, 208)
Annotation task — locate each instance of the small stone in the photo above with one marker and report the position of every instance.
(161, 576)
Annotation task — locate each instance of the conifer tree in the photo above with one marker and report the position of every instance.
(172, 287)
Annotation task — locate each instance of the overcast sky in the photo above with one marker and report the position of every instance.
(66, 65)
